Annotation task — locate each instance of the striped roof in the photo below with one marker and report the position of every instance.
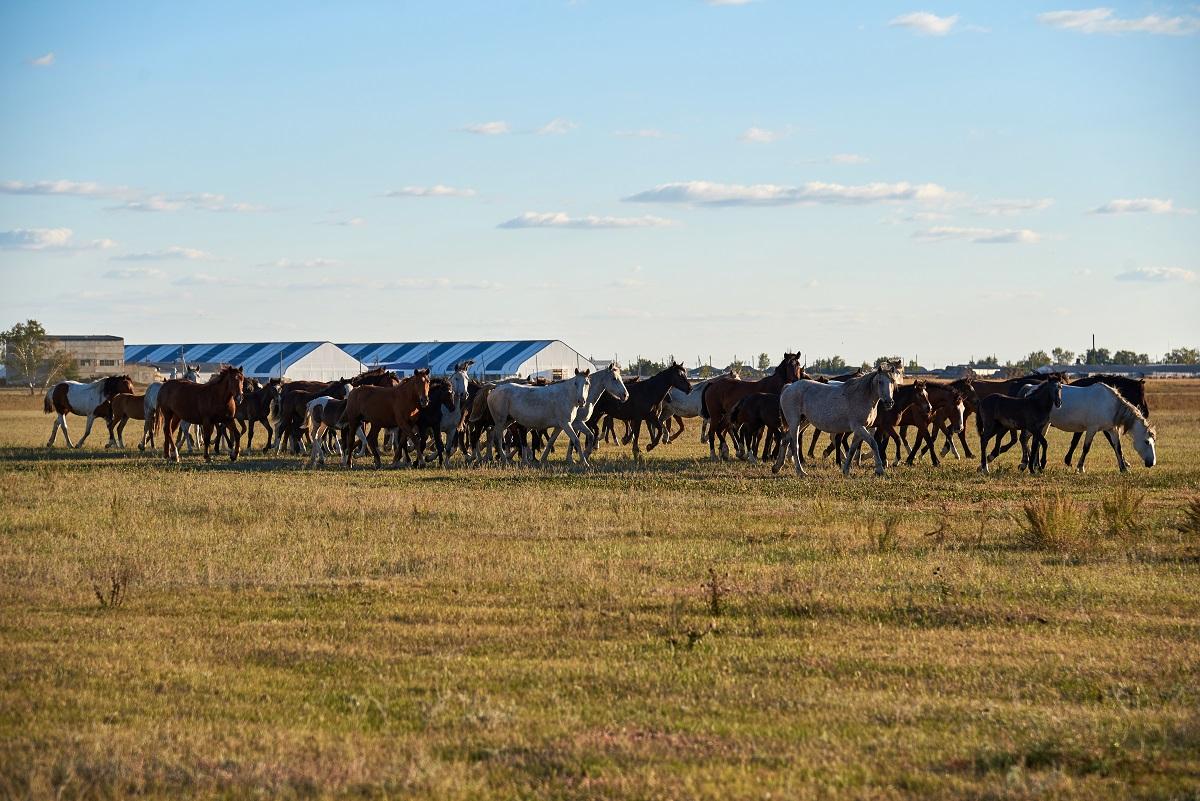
(502, 357)
(256, 358)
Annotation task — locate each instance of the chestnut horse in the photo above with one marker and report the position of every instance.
(208, 405)
(384, 407)
(722, 394)
(125, 407)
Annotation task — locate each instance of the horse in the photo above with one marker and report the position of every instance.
(912, 397)
(375, 377)
(86, 400)
(454, 422)
(323, 417)
(947, 403)
(1000, 413)
(753, 415)
(431, 419)
(150, 411)
(835, 408)
(125, 407)
(291, 404)
(680, 404)
(384, 407)
(641, 404)
(256, 408)
(603, 383)
(1098, 407)
(816, 434)
(1131, 389)
(206, 405)
(540, 407)
(720, 396)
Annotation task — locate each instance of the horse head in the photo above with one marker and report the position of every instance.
(884, 384)
(679, 379)
(117, 385)
(613, 384)
(421, 377)
(582, 380)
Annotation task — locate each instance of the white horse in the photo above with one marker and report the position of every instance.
(545, 407)
(76, 397)
(689, 404)
(608, 380)
(317, 422)
(454, 419)
(1100, 408)
(848, 408)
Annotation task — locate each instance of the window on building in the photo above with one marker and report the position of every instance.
(108, 362)
(85, 362)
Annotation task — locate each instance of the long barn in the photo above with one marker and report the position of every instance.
(295, 361)
(547, 358)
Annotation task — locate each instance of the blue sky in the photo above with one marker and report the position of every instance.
(678, 177)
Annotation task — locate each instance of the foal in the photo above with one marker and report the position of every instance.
(998, 414)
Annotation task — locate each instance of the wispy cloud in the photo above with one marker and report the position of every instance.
(134, 273)
(761, 136)
(978, 236)
(172, 253)
(706, 193)
(643, 133)
(557, 127)
(533, 219)
(848, 158)
(45, 60)
(1007, 208)
(1141, 205)
(437, 190)
(925, 23)
(48, 239)
(1157, 275)
(129, 199)
(309, 264)
(1105, 20)
(494, 128)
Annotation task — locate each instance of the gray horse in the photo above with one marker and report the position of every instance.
(837, 408)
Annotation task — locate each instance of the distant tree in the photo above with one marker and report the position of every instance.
(1130, 357)
(834, 364)
(912, 364)
(736, 364)
(1182, 356)
(764, 361)
(1098, 356)
(989, 361)
(1063, 356)
(1034, 360)
(644, 366)
(706, 371)
(59, 366)
(25, 350)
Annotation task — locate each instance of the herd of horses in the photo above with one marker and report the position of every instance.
(502, 421)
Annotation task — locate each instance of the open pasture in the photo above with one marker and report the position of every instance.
(675, 629)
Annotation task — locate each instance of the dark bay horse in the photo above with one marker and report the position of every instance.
(721, 395)
(384, 407)
(752, 417)
(256, 408)
(998, 414)
(643, 404)
(211, 405)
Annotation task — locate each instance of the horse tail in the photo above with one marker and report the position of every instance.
(47, 404)
(704, 415)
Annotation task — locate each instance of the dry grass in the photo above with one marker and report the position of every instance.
(677, 629)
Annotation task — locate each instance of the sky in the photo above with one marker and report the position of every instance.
(698, 179)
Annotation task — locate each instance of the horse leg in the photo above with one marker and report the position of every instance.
(1114, 439)
(54, 430)
(636, 427)
(87, 429)
(170, 446)
(206, 430)
(812, 443)
(1071, 449)
(1087, 446)
(984, 436)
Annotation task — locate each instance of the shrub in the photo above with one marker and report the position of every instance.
(1121, 516)
(1056, 523)
(1190, 524)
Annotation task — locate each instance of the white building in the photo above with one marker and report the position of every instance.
(295, 361)
(546, 358)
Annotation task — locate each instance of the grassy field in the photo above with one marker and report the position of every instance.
(672, 630)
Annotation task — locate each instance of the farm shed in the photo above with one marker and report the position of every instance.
(301, 361)
(549, 358)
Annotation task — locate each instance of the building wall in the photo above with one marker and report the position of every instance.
(555, 361)
(93, 356)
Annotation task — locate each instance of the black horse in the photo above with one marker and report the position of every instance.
(998, 414)
(643, 405)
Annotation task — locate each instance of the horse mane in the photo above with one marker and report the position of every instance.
(1127, 413)
(860, 385)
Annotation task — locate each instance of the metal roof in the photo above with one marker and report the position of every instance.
(497, 357)
(256, 358)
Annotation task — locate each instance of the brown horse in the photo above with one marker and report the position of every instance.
(384, 407)
(947, 403)
(208, 405)
(125, 407)
(723, 394)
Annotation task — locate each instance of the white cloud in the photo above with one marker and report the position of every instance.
(1104, 20)
(760, 136)
(925, 23)
(437, 190)
(643, 133)
(1006, 208)
(1157, 275)
(353, 222)
(310, 264)
(133, 273)
(1147, 205)
(979, 236)
(533, 219)
(48, 239)
(557, 127)
(130, 199)
(848, 158)
(172, 253)
(43, 60)
(495, 128)
(706, 193)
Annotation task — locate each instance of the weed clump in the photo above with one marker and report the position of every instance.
(1057, 524)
